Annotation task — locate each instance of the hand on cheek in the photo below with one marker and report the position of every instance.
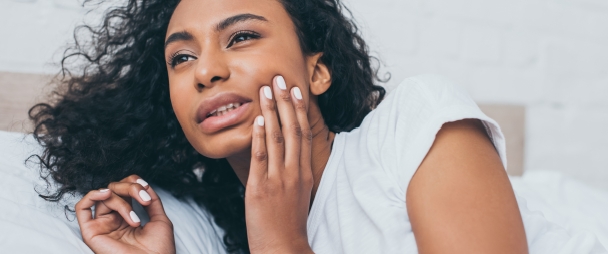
(278, 191)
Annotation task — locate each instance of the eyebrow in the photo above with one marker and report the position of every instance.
(186, 36)
(237, 18)
(179, 36)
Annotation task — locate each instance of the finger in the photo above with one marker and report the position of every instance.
(128, 190)
(135, 179)
(118, 204)
(259, 155)
(274, 137)
(306, 141)
(83, 209)
(155, 209)
(289, 124)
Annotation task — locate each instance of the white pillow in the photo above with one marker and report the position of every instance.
(29, 224)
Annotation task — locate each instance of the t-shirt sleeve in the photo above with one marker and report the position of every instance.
(407, 122)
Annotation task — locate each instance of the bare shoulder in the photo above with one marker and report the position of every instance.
(460, 200)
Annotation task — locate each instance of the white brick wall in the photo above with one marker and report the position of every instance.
(549, 55)
(33, 33)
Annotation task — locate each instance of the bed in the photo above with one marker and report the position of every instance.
(574, 207)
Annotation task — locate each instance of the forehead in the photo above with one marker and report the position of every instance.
(203, 15)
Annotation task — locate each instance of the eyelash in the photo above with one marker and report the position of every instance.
(246, 33)
(175, 57)
(178, 55)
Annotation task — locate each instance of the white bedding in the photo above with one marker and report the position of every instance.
(28, 224)
(571, 205)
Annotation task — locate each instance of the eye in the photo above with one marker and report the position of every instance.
(242, 36)
(179, 58)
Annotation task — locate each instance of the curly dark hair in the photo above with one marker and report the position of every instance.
(110, 115)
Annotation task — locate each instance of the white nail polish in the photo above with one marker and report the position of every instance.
(144, 195)
(134, 217)
(268, 92)
(104, 190)
(281, 83)
(260, 120)
(142, 182)
(297, 93)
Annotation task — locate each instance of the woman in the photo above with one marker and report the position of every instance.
(273, 91)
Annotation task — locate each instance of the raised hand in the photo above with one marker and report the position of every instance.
(278, 190)
(115, 228)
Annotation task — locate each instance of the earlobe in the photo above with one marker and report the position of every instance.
(320, 75)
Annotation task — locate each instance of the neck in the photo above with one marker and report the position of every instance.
(322, 140)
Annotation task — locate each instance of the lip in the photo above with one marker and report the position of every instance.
(211, 124)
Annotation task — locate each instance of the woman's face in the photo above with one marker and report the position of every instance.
(219, 54)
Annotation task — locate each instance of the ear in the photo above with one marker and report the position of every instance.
(320, 76)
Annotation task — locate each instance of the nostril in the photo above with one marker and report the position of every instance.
(216, 78)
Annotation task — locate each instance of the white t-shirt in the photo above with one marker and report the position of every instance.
(360, 203)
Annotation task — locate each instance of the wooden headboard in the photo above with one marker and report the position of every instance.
(20, 91)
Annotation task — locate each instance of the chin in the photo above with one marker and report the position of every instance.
(221, 147)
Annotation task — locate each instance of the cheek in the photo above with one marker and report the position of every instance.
(180, 101)
(262, 66)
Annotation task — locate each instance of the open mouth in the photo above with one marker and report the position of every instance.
(222, 110)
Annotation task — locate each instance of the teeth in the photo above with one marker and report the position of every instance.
(224, 109)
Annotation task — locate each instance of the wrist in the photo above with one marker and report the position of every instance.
(291, 246)
(299, 247)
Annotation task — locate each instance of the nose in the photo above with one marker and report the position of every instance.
(211, 69)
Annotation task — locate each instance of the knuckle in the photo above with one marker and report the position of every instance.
(284, 96)
(291, 182)
(132, 178)
(307, 135)
(277, 137)
(78, 205)
(261, 155)
(300, 107)
(307, 180)
(297, 130)
(270, 106)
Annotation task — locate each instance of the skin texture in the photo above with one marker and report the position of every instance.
(460, 200)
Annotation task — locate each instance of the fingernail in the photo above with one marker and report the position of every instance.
(134, 217)
(260, 120)
(281, 83)
(104, 190)
(297, 93)
(268, 92)
(142, 182)
(144, 195)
